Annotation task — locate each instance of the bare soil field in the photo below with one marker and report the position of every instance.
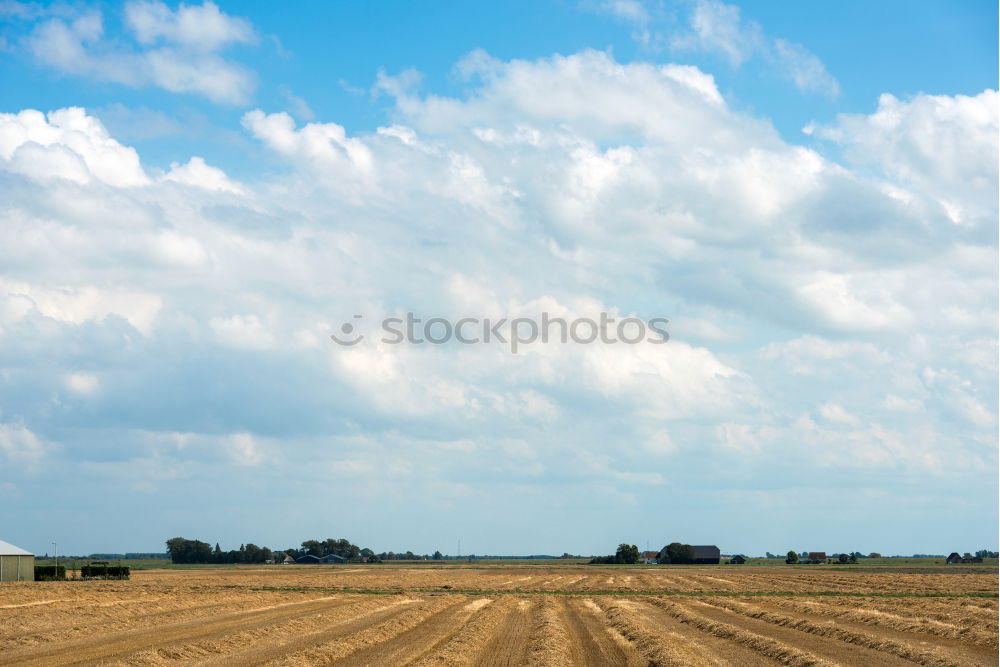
(507, 615)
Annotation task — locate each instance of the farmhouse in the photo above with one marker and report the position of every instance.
(737, 560)
(288, 560)
(16, 564)
(651, 557)
(817, 556)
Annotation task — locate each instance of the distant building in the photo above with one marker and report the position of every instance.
(651, 557)
(704, 554)
(288, 560)
(818, 556)
(955, 558)
(332, 559)
(16, 564)
(308, 559)
(707, 554)
(737, 560)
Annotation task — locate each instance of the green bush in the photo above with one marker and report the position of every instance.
(50, 573)
(105, 572)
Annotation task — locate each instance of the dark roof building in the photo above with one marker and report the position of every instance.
(737, 560)
(707, 554)
(817, 555)
(308, 559)
(332, 558)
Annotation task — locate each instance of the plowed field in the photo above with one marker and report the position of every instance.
(507, 615)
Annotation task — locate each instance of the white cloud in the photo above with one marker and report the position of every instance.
(197, 27)
(83, 384)
(718, 28)
(18, 444)
(176, 50)
(243, 331)
(805, 69)
(68, 144)
(838, 415)
(572, 184)
(201, 175)
(931, 145)
(82, 303)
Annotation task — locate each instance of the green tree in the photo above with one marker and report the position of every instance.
(312, 548)
(438, 555)
(874, 554)
(627, 554)
(843, 558)
(680, 554)
(792, 558)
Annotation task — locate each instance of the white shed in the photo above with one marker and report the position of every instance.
(16, 564)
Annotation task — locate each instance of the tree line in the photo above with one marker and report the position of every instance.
(185, 551)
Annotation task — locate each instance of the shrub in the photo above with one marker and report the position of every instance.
(50, 573)
(105, 572)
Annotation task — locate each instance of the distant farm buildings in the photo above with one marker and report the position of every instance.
(16, 564)
(955, 558)
(308, 559)
(704, 554)
(332, 559)
(707, 554)
(737, 560)
(817, 556)
(651, 557)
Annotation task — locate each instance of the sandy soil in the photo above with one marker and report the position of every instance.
(511, 615)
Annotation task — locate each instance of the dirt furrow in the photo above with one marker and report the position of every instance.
(342, 643)
(509, 646)
(659, 643)
(785, 648)
(826, 641)
(265, 642)
(593, 641)
(918, 625)
(464, 647)
(416, 643)
(106, 645)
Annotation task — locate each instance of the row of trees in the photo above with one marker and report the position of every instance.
(182, 550)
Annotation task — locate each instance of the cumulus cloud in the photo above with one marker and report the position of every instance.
(177, 50)
(67, 144)
(571, 185)
(199, 174)
(937, 145)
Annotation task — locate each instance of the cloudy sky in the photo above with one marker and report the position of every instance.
(194, 197)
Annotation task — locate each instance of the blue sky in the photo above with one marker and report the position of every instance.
(196, 196)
